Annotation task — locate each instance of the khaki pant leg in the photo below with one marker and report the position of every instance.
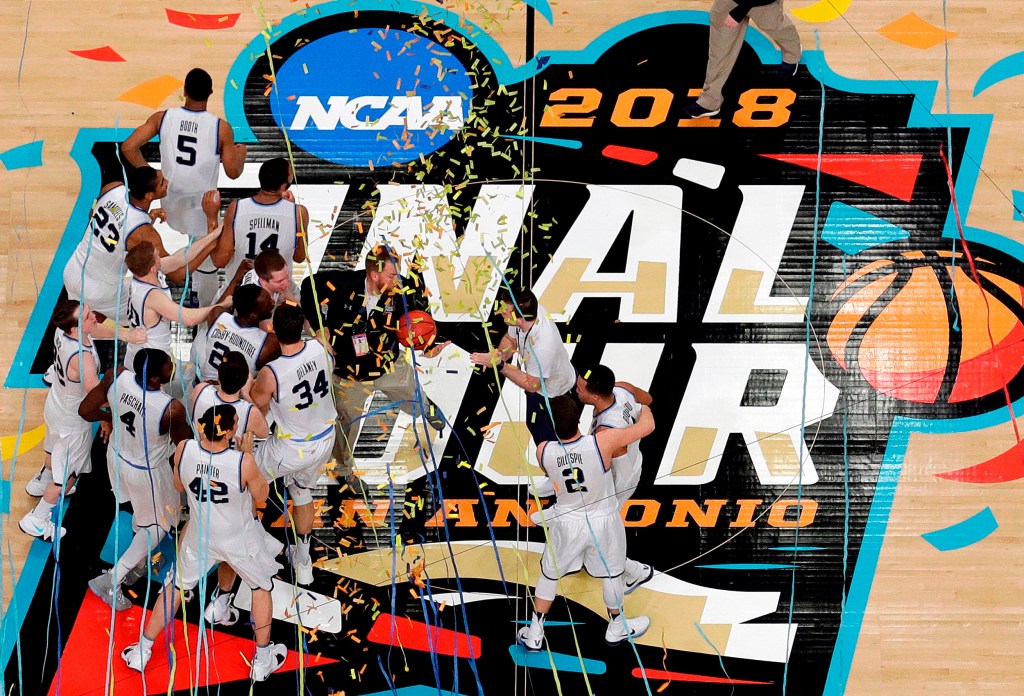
(724, 44)
(772, 20)
(399, 386)
(350, 398)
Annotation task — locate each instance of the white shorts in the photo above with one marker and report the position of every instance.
(251, 554)
(300, 464)
(99, 293)
(70, 452)
(626, 477)
(155, 501)
(571, 546)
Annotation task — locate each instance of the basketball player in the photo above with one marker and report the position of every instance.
(618, 405)
(222, 486)
(150, 304)
(120, 219)
(297, 389)
(546, 371)
(238, 330)
(193, 144)
(272, 273)
(232, 375)
(584, 528)
(145, 422)
(68, 438)
(270, 220)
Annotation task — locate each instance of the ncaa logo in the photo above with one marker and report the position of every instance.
(372, 97)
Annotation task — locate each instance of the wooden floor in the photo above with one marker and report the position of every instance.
(936, 623)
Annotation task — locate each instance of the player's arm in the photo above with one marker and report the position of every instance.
(175, 421)
(232, 154)
(172, 311)
(196, 390)
(257, 424)
(132, 147)
(505, 350)
(524, 380)
(263, 389)
(311, 310)
(643, 398)
(91, 408)
(617, 453)
(302, 234)
(253, 478)
(540, 457)
(243, 268)
(271, 350)
(225, 248)
(176, 465)
(108, 330)
(610, 440)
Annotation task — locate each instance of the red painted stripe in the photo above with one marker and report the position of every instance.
(658, 675)
(895, 175)
(417, 635)
(192, 20)
(1002, 468)
(105, 54)
(629, 154)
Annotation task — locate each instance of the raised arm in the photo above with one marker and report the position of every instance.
(225, 248)
(192, 256)
(132, 147)
(302, 238)
(91, 408)
(172, 311)
(643, 398)
(611, 440)
(263, 389)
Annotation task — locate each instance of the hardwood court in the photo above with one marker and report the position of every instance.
(928, 619)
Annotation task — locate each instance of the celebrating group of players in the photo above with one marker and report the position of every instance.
(254, 365)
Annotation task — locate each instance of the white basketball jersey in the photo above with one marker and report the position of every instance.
(581, 482)
(303, 408)
(67, 393)
(159, 334)
(219, 506)
(208, 398)
(259, 227)
(137, 414)
(621, 414)
(190, 159)
(103, 247)
(225, 334)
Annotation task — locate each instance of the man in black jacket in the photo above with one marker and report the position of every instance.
(729, 20)
(358, 314)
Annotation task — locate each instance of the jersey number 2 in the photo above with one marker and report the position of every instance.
(574, 480)
(216, 493)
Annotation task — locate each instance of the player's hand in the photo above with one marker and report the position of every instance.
(136, 336)
(211, 204)
(245, 266)
(225, 302)
(105, 429)
(435, 350)
(730, 22)
(245, 444)
(158, 214)
(489, 359)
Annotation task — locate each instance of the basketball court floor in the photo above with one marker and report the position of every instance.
(821, 287)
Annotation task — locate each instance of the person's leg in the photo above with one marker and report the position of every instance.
(773, 21)
(137, 655)
(350, 398)
(538, 419)
(107, 585)
(532, 637)
(219, 610)
(724, 44)
(269, 656)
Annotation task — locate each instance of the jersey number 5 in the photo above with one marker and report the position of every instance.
(186, 146)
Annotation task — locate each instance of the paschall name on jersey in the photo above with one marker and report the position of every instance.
(131, 401)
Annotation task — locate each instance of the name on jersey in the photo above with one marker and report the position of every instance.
(570, 459)
(265, 223)
(376, 113)
(114, 209)
(189, 127)
(131, 401)
(233, 339)
(305, 369)
(208, 469)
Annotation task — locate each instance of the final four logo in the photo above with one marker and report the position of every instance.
(782, 278)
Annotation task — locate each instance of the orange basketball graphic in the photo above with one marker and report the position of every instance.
(897, 323)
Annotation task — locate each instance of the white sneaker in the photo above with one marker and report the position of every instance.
(135, 657)
(303, 571)
(103, 586)
(531, 637)
(44, 529)
(276, 657)
(221, 614)
(38, 484)
(619, 630)
(645, 574)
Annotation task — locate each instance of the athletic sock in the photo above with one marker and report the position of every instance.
(303, 555)
(43, 509)
(146, 643)
(539, 619)
(263, 652)
(223, 599)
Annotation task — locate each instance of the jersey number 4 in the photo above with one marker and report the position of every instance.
(128, 418)
(270, 243)
(320, 387)
(216, 492)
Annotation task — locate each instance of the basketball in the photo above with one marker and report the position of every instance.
(416, 329)
(920, 329)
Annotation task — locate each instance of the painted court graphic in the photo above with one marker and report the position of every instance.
(791, 280)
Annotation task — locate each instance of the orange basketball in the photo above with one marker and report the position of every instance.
(897, 323)
(416, 329)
